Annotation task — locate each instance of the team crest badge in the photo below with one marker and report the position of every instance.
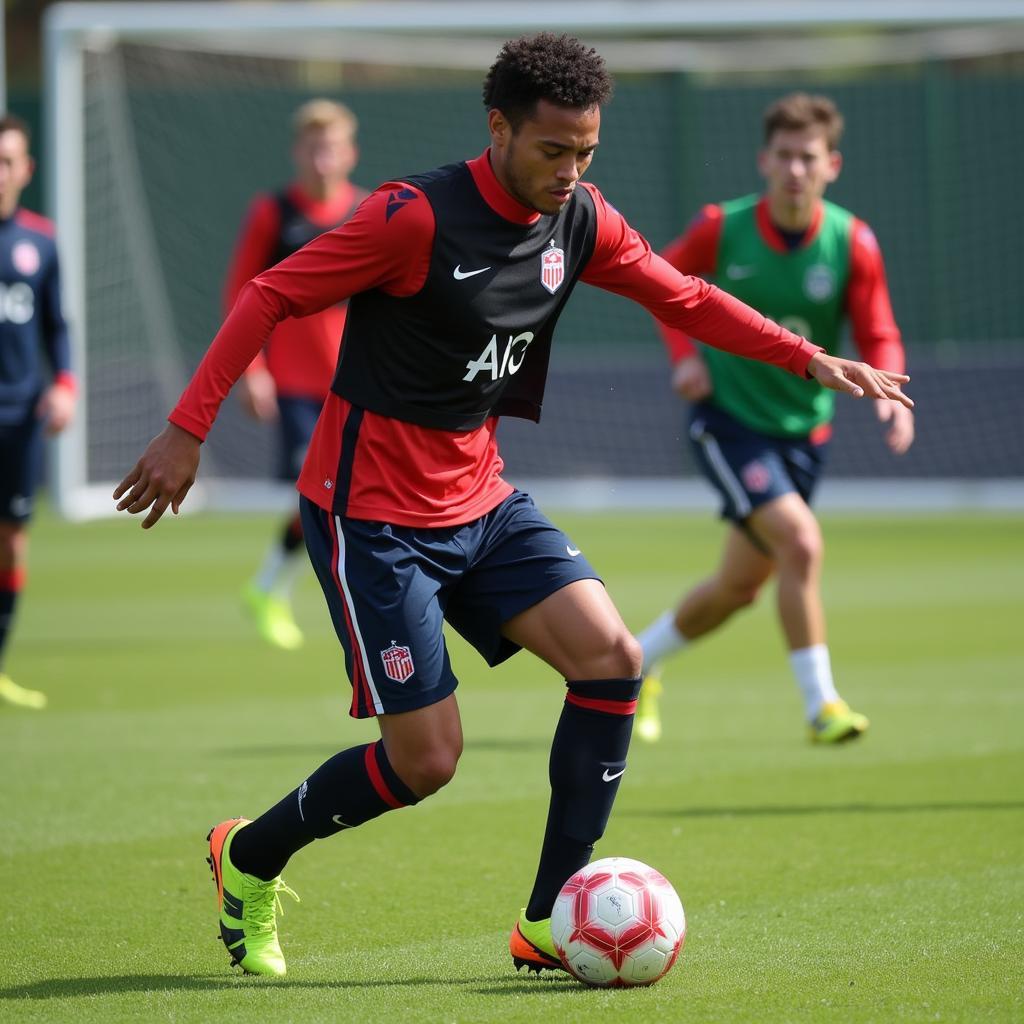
(552, 268)
(819, 283)
(756, 477)
(25, 257)
(397, 662)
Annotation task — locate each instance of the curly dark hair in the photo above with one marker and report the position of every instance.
(559, 69)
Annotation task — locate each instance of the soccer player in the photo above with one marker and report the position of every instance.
(456, 278)
(759, 435)
(288, 381)
(37, 389)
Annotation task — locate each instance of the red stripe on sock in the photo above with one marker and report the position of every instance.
(609, 707)
(373, 770)
(13, 579)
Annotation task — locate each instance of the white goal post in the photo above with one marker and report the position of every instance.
(114, 70)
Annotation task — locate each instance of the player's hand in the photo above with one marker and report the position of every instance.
(258, 394)
(690, 379)
(56, 408)
(858, 379)
(900, 435)
(162, 477)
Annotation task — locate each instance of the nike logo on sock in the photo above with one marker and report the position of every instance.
(612, 776)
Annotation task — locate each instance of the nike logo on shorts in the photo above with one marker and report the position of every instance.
(460, 275)
(612, 776)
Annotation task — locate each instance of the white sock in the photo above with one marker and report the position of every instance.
(660, 639)
(813, 670)
(266, 578)
(291, 568)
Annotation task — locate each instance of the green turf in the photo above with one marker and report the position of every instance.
(878, 882)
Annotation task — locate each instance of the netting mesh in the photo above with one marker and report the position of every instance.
(177, 142)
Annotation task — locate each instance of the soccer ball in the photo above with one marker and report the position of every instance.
(618, 923)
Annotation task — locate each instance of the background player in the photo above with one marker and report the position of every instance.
(456, 279)
(759, 435)
(37, 389)
(288, 381)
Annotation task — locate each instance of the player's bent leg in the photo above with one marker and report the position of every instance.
(424, 746)
(790, 530)
(735, 585)
(247, 906)
(578, 631)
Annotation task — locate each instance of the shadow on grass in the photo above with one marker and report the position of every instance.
(63, 988)
(783, 810)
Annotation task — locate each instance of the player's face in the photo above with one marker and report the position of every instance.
(15, 170)
(324, 158)
(540, 163)
(798, 166)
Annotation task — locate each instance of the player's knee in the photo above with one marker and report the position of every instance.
(13, 543)
(622, 659)
(743, 595)
(804, 551)
(431, 770)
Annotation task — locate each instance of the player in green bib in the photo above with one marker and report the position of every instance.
(759, 434)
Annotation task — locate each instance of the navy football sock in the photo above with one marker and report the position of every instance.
(291, 537)
(588, 757)
(11, 582)
(352, 787)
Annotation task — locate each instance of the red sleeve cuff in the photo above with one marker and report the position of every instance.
(66, 379)
(182, 419)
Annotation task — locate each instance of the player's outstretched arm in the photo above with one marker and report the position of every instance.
(162, 477)
(858, 379)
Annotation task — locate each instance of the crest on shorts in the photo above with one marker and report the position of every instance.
(25, 257)
(756, 477)
(552, 267)
(397, 662)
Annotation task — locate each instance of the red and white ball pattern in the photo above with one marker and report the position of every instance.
(618, 923)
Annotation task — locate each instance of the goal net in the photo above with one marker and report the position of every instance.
(165, 119)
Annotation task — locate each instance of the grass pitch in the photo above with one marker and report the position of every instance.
(883, 881)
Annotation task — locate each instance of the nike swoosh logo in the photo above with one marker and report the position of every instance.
(460, 275)
(608, 777)
(572, 551)
(336, 818)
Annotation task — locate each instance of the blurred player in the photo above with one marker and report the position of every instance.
(759, 435)
(37, 390)
(456, 278)
(288, 381)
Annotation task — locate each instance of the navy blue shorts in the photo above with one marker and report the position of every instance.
(295, 430)
(390, 588)
(749, 468)
(21, 456)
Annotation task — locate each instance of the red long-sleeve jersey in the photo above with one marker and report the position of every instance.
(410, 475)
(300, 354)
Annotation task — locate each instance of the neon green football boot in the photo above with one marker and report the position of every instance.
(248, 907)
(648, 715)
(18, 697)
(836, 723)
(273, 618)
(532, 947)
